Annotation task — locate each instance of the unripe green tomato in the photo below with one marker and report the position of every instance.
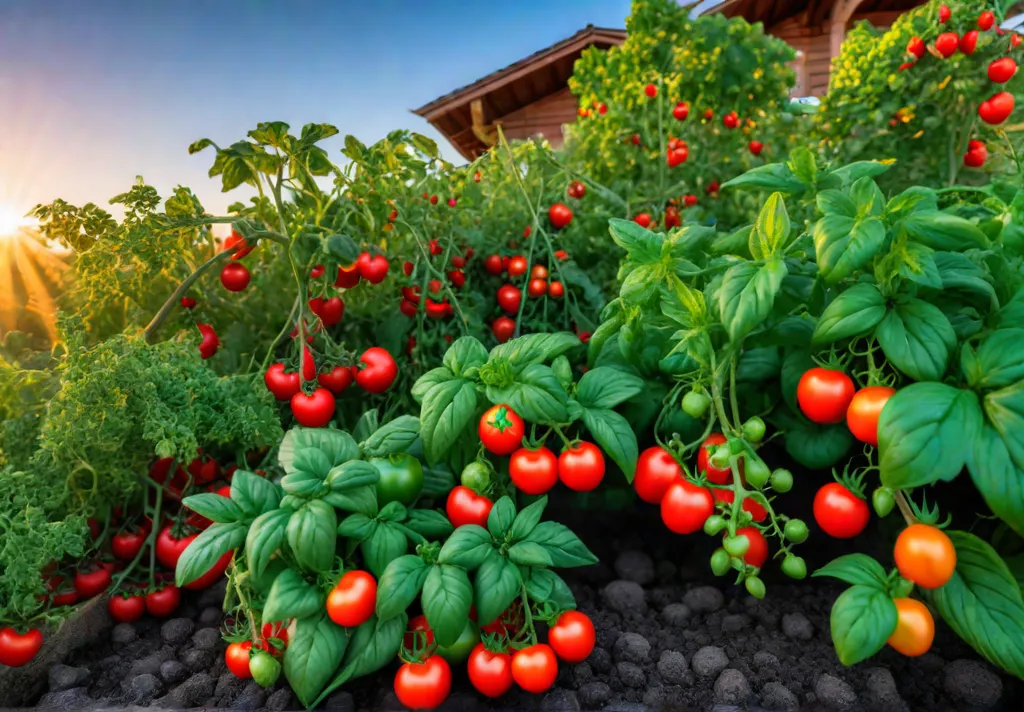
(714, 524)
(781, 480)
(794, 567)
(883, 501)
(736, 545)
(755, 587)
(757, 473)
(401, 478)
(796, 531)
(753, 430)
(745, 518)
(695, 404)
(458, 651)
(720, 457)
(476, 476)
(736, 446)
(265, 668)
(720, 562)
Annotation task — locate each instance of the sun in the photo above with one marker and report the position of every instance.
(13, 220)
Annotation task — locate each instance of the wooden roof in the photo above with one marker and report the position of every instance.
(507, 90)
(811, 13)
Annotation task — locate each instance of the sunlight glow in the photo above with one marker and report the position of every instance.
(12, 221)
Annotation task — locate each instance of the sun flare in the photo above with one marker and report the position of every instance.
(13, 221)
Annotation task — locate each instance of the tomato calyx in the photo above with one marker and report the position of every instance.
(500, 420)
(853, 481)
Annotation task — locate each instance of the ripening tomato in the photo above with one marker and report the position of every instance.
(642, 219)
(537, 288)
(535, 668)
(656, 470)
(533, 471)
(864, 410)
(509, 299)
(680, 111)
(315, 410)
(686, 506)
(915, 628)
(757, 553)
(126, 609)
(336, 380)
(163, 602)
(824, 395)
(493, 265)
(353, 600)
(839, 512)
(501, 430)
(17, 649)
(282, 385)
(401, 478)
(379, 370)
(348, 277)
(517, 266)
(925, 555)
(234, 276)
(125, 545)
(490, 673)
(237, 659)
(560, 215)
(91, 582)
(718, 475)
(572, 637)
(581, 467)
(423, 686)
(503, 328)
(464, 506)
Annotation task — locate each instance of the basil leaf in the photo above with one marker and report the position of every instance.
(312, 656)
(447, 596)
(207, 549)
(291, 596)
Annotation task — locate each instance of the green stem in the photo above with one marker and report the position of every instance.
(177, 294)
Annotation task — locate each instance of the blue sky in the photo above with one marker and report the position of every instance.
(95, 92)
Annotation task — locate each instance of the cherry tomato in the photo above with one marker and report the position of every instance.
(379, 372)
(237, 659)
(839, 512)
(336, 380)
(17, 649)
(509, 299)
(401, 478)
(423, 686)
(755, 510)
(503, 328)
(372, 268)
(204, 469)
(353, 599)
(824, 395)
(282, 385)
(212, 576)
(418, 624)
(572, 637)
(313, 411)
(348, 277)
(62, 593)
(533, 471)
(517, 266)
(274, 631)
(188, 303)
(757, 553)
(163, 602)
(464, 506)
(581, 467)
(535, 668)
(925, 555)
(864, 410)
(656, 470)
(686, 506)
(91, 582)
(210, 343)
(235, 240)
(126, 545)
(169, 549)
(490, 673)
(501, 430)
(493, 265)
(556, 290)
(560, 215)
(234, 276)
(537, 288)
(915, 628)
(332, 311)
(718, 475)
(126, 609)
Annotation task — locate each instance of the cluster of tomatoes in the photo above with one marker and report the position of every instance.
(998, 107)
(259, 662)
(924, 555)
(510, 297)
(434, 308)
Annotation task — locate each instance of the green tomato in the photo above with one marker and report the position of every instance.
(753, 429)
(714, 524)
(265, 668)
(401, 479)
(720, 457)
(883, 501)
(781, 481)
(476, 476)
(737, 446)
(720, 562)
(755, 587)
(757, 473)
(458, 651)
(695, 404)
(796, 531)
(794, 567)
(736, 545)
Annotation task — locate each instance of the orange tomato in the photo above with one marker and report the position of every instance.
(925, 555)
(915, 628)
(862, 414)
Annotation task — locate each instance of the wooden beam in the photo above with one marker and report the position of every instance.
(487, 134)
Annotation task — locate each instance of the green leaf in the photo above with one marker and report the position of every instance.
(545, 586)
(399, 585)
(313, 654)
(912, 200)
(771, 231)
(291, 596)
(536, 396)
(438, 480)
(918, 339)
(393, 437)
(856, 569)
(430, 379)
(447, 596)
(853, 313)
(528, 553)
(342, 248)
(844, 245)
(335, 445)
(997, 470)
(501, 518)
(467, 547)
(264, 538)
(862, 620)
(367, 425)
(428, 523)
(255, 495)
(385, 544)
(815, 446)
(982, 603)
(957, 271)
(747, 295)
(527, 519)
(859, 169)
(615, 436)
(642, 245)
(565, 548)
(999, 361)
(357, 526)
(207, 549)
(465, 353)
(312, 533)
(534, 348)
(426, 146)
(607, 387)
(448, 408)
(942, 231)
(867, 197)
(804, 166)
(773, 176)
(497, 584)
(359, 499)
(373, 645)
(836, 202)
(563, 371)
(925, 434)
(214, 507)
(352, 475)
(917, 263)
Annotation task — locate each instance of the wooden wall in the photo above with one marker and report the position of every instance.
(544, 117)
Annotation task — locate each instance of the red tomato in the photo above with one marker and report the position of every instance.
(282, 385)
(839, 512)
(464, 506)
(533, 471)
(235, 240)
(864, 410)
(372, 268)
(164, 602)
(576, 190)
(379, 372)
(353, 600)
(313, 411)
(946, 44)
(126, 545)
(730, 120)
(237, 659)
(169, 549)
(642, 219)
(537, 288)
(503, 328)
(535, 668)
(332, 311)
(62, 592)
(753, 508)
(686, 506)
(408, 308)
(656, 470)
(517, 266)
(215, 574)
(204, 470)
(493, 265)
(997, 108)
(757, 554)
(423, 686)
(418, 624)
(944, 14)
(681, 111)
(969, 42)
(126, 609)
(501, 430)
(91, 582)
(210, 343)
(274, 631)
(348, 277)
(336, 380)
(457, 277)
(234, 276)
(581, 468)
(720, 476)
(651, 91)
(824, 395)
(1002, 70)
(490, 673)
(509, 298)
(755, 147)
(986, 20)
(916, 47)
(188, 303)
(560, 215)
(915, 628)
(556, 290)
(17, 649)
(572, 637)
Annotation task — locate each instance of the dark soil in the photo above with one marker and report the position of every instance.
(669, 638)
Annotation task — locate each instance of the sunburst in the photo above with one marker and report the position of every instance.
(31, 276)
